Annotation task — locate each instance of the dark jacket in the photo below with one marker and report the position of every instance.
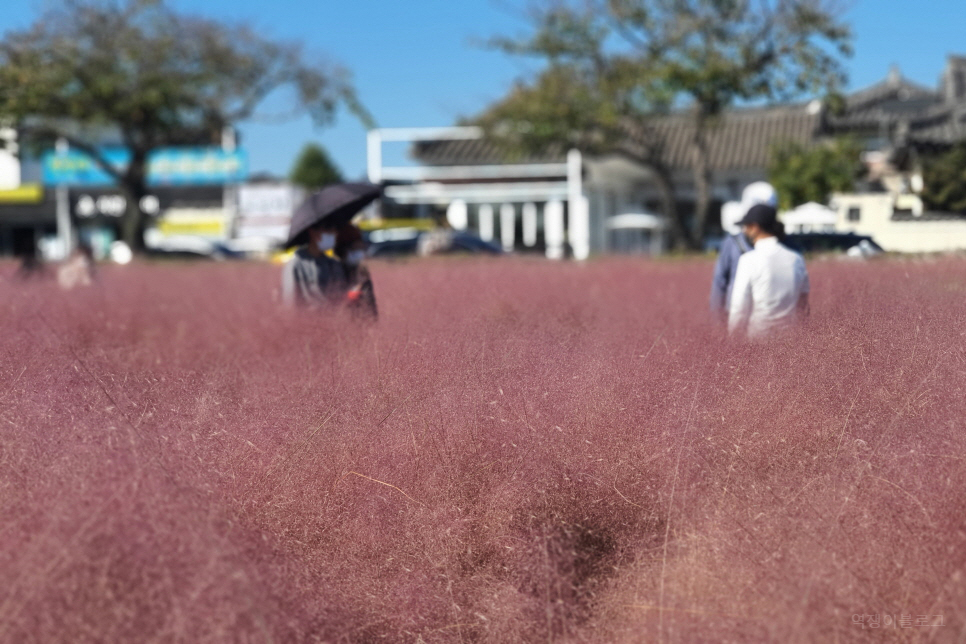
(732, 248)
(315, 282)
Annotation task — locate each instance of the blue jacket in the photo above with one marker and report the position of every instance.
(732, 248)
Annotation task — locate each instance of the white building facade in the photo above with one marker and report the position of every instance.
(899, 225)
(609, 202)
(558, 206)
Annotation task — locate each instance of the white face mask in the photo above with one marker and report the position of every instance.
(326, 242)
(355, 257)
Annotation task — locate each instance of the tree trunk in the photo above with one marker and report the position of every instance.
(702, 181)
(134, 187)
(669, 208)
(651, 157)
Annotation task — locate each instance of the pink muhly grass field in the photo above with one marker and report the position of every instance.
(517, 451)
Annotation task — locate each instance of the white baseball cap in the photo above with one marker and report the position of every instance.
(731, 214)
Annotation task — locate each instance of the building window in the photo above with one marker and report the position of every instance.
(855, 214)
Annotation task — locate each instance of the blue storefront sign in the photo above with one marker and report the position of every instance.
(166, 167)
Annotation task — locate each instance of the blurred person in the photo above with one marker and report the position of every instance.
(435, 241)
(770, 289)
(735, 244)
(314, 277)
(120, 253)
(78, 270)
(350, 248)
(439, 240)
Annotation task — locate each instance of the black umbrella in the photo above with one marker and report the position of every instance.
(335, 205)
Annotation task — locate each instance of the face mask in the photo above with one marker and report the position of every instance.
(326, 242)
(355, 257)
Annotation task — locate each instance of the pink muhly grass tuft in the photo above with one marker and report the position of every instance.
(516, 451)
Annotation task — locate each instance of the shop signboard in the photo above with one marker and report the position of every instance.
(166, 166)
(28, 193)
(210, 223)
(265, 210)
(87, 206)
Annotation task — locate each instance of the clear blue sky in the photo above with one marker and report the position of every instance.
(415, 63)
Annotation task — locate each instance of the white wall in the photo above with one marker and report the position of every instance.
(915, 236)
(9, 163)
(9, 171)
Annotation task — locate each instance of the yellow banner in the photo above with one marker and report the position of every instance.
(28, 193)
(208, 227)
(378, 224)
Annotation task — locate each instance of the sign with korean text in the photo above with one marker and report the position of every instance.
(166, 167)
(265, 211)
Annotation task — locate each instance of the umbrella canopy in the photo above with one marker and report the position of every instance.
(335, 205)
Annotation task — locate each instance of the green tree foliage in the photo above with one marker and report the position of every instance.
(151, 77)
(313, 168)
(944, 180)
(802, 174)
(560, 108)
(703, 56)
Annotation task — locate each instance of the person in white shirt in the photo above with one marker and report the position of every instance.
(734, 244)
(771, 287)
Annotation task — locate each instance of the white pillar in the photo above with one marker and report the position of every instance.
(529, 224)
(508, 217)
(65, 234)
(9, 159)
(374, 155)
(229, 194)
(553, 229)
(228, 139)
(575, 177)
(456, 215)
(579, 233)
(229, 200)
(486, 222)
(577, 206)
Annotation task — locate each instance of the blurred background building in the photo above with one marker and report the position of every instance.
(199, 200)
(461, 176)
(559, 202)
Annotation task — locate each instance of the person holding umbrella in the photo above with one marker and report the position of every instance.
(314, 278)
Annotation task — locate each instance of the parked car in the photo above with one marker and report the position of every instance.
(832, 242)
(464, 242)
(394, 242)
(189, 247)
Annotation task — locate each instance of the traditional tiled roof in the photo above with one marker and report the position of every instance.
(945, 129)
(887, 112)
(910, 112)
(743, 138)
(893, 99)
(740, 139)
(479, 152)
